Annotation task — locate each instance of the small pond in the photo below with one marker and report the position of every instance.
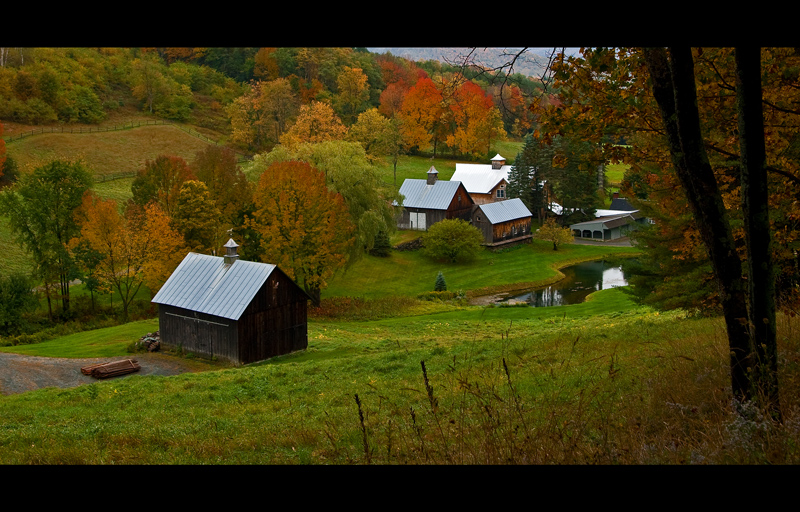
(580, 280)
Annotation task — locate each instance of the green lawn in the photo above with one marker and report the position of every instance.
(106, 342)
(410, 273)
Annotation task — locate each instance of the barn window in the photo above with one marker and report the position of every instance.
(501, 193)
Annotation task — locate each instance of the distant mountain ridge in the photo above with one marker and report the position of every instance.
(532, 63)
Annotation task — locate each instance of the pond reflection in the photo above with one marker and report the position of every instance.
(580, 280)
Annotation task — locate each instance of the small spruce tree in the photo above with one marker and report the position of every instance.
(440, 285)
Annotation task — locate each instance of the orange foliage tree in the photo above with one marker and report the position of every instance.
(476, 120)
(305, 228)
(127, 245)
(421, 115)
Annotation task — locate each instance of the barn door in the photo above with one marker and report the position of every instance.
(203, 337)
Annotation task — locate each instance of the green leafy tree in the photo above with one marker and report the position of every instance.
(453, 240)
(160, 180)
(16, 298)
(40, 209)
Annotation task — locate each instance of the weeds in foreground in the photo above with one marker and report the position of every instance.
(589, 409)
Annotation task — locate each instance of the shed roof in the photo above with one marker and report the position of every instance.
(608, 222)
(504, 211)
(207, 284)
(480, 178)
(418, 194)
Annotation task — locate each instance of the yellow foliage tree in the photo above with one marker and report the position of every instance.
(316, 122)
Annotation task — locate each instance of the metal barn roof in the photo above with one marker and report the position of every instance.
(207, 284)
(418, 194)
(480, 178)
(503, 211)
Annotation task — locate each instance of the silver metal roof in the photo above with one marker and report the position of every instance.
(503, 211)
(207, 284)
(480, 178)
(418, 194)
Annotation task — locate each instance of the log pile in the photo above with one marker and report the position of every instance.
(150, 342)
(112, 369)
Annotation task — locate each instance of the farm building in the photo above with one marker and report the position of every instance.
(503, 222)
(608, 227)
(486, 183)
(224, 307)
(429, 201)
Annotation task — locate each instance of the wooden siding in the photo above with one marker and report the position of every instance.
(505, 231)
(274, 323)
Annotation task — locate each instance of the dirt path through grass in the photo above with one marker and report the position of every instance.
(21, 373)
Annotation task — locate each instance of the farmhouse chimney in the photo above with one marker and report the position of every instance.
(230, 252)
(433, 175)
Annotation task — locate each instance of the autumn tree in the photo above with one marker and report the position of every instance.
(198, 219)
(261, 116)
(305, 228)
(125, 244)
(160, 180)
(686, 113)
(476, 121)
(40, 210)
(316, 122)
(348, 172)
(216, 166)
(374, 132)
(352, 92)
(421, 116)
(552, 232)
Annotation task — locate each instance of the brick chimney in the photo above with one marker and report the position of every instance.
(433, 175)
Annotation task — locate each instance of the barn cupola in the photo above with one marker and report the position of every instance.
(230, 252)
(433, 175)
(498, 161)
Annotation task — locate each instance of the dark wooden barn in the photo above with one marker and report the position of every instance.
(429, 201)
(503, 223)
(224, 307)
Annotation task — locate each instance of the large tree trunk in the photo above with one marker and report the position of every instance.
(674, 90)
(761, 278)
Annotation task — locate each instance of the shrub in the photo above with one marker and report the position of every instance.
(453, 240)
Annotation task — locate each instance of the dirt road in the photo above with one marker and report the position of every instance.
(19, 373)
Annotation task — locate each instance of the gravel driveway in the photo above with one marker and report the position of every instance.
(19, 373)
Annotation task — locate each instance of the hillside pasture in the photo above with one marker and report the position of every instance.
(106, 152)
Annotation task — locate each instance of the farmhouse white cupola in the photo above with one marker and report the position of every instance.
(498, 161)
(433, 175)
(230, 252)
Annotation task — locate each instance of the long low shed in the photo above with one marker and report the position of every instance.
(243, 311)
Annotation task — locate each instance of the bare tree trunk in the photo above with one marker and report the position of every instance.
(761, 277)
(674, 90)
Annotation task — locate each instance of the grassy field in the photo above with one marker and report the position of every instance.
(562, 385)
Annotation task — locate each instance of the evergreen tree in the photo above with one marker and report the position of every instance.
(440, 285)
(525, 179)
